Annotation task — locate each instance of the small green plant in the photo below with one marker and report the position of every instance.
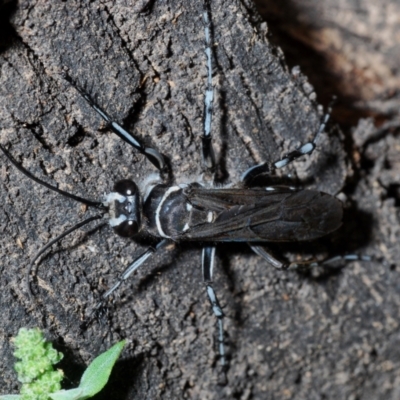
(39, 379)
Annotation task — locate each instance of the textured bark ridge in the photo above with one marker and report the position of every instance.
(323, 334)
(348, 48)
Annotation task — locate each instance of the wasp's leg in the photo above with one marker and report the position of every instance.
(305, 149)
(267, 256)
(125, 275)
(156, 158)
(207, 147)
(208, 257)
(333, 262)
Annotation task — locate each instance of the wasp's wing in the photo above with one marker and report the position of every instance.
(225, 199)
(258, 215)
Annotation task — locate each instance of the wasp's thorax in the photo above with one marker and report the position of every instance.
(124, 208)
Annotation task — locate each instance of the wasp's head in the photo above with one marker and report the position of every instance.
(124, 208)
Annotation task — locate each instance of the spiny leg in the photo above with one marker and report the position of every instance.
(122, 277)
(332, 262)
(207, 147)
(268, 257)
(208, 155)
(152, 155)
(305, 149)
(208, 257)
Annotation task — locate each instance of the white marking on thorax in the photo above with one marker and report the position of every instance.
(149, 183)
(210, 216)
(117, 221)
(158, 222)
(113, 196)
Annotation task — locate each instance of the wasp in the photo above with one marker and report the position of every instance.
(194, 212)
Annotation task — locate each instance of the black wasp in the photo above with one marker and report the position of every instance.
(193, 212)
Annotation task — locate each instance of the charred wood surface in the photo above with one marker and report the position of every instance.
(323, 334)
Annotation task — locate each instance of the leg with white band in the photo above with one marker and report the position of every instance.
(305, 149)
(208, 257)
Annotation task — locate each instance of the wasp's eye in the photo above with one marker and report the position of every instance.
(125, 187)
(127, 228)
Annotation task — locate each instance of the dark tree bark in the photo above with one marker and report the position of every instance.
(323, 334)
(347, 48)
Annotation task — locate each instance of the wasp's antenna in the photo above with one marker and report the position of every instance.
(55, 240)
(90, 203)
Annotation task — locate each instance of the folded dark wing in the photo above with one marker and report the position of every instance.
(258, 215)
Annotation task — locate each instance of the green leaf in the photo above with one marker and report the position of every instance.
(10, 397)
(72, 394)
(96, 375)
(94, 378)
